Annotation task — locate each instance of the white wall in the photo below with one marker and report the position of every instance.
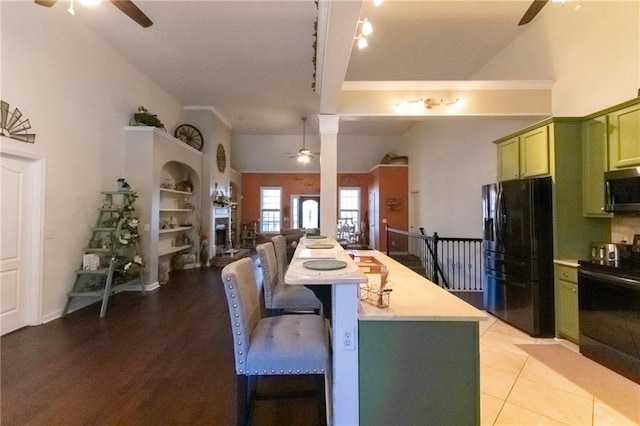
(593, 54)
(449, 161)
(78, 94)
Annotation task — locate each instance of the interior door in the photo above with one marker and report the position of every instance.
(309, 212)
(15, 231)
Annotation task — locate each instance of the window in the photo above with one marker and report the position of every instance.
(294, 212)
(270, 209)
(349, 207)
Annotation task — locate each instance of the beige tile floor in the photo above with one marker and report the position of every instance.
(530, 381)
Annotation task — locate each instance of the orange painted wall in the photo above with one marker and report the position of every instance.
(391, 184)
(293, 184)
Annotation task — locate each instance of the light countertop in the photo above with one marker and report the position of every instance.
(414, 298)
(297, 274)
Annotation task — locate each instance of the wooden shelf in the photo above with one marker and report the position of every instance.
(100, 292)
(176, 210)
(174, 191)
(178, 229)
(117, 192)
(176, 249)
(101, 271)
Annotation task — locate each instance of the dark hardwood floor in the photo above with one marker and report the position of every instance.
(159, 359)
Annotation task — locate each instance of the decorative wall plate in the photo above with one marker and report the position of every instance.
(221, 158)
(189, 135)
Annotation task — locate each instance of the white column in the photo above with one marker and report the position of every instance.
(345, 398)
(345, 395)
(328, 174)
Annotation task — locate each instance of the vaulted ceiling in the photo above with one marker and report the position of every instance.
(252, 61)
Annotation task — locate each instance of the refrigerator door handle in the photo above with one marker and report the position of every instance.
(499, 216)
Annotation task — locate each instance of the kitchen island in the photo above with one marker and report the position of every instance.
(419, 360)
(415, 362)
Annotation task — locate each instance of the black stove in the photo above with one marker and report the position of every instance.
(609, 314)
(626, 268)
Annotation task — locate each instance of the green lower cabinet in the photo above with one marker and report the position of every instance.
(567, 325)
(419, 373)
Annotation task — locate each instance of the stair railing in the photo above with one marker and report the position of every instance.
(452, 263)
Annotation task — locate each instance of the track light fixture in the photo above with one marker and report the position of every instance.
(362, 42)
(366, 28)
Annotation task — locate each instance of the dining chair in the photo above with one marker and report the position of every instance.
(278, 295)
(280, 246)
(272, 346)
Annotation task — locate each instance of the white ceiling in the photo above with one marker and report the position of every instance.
(252, 60)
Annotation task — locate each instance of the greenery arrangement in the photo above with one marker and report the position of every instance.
(129, 261)
(221, 199)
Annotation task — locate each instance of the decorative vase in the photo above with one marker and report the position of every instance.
(204, 255)
(177, 262)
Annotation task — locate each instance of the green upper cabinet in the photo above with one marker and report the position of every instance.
(534, 152)
(509, 159)
(525, 155)
(624, 141)
(553, 147)
(595, 160)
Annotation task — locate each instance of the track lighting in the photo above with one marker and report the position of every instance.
(366, 28)
(362, 42)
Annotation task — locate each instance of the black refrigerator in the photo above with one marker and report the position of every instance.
(518, 253)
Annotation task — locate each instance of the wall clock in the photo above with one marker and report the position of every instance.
(189, 135)
(221, 158)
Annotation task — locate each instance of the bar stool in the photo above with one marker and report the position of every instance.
(280, 246)
(268, 346)
(278, 295)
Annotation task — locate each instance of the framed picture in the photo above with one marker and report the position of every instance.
(90, 262)
(636, 243)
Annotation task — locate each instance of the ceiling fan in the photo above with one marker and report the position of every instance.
(304, 155)
(126, 6)
(533, 10)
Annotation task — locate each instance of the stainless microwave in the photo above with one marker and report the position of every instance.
(622, 190)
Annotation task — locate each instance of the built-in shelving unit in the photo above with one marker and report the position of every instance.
(157, 166)
(176, 234)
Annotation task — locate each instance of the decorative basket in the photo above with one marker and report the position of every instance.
(375, 292)
(374, 296)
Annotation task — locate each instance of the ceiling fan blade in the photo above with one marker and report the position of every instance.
(46, 3)
(132, 11)
(533, 10)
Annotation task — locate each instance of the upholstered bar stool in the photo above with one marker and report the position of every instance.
(280, 246)
(278, 295)
(278, 345)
